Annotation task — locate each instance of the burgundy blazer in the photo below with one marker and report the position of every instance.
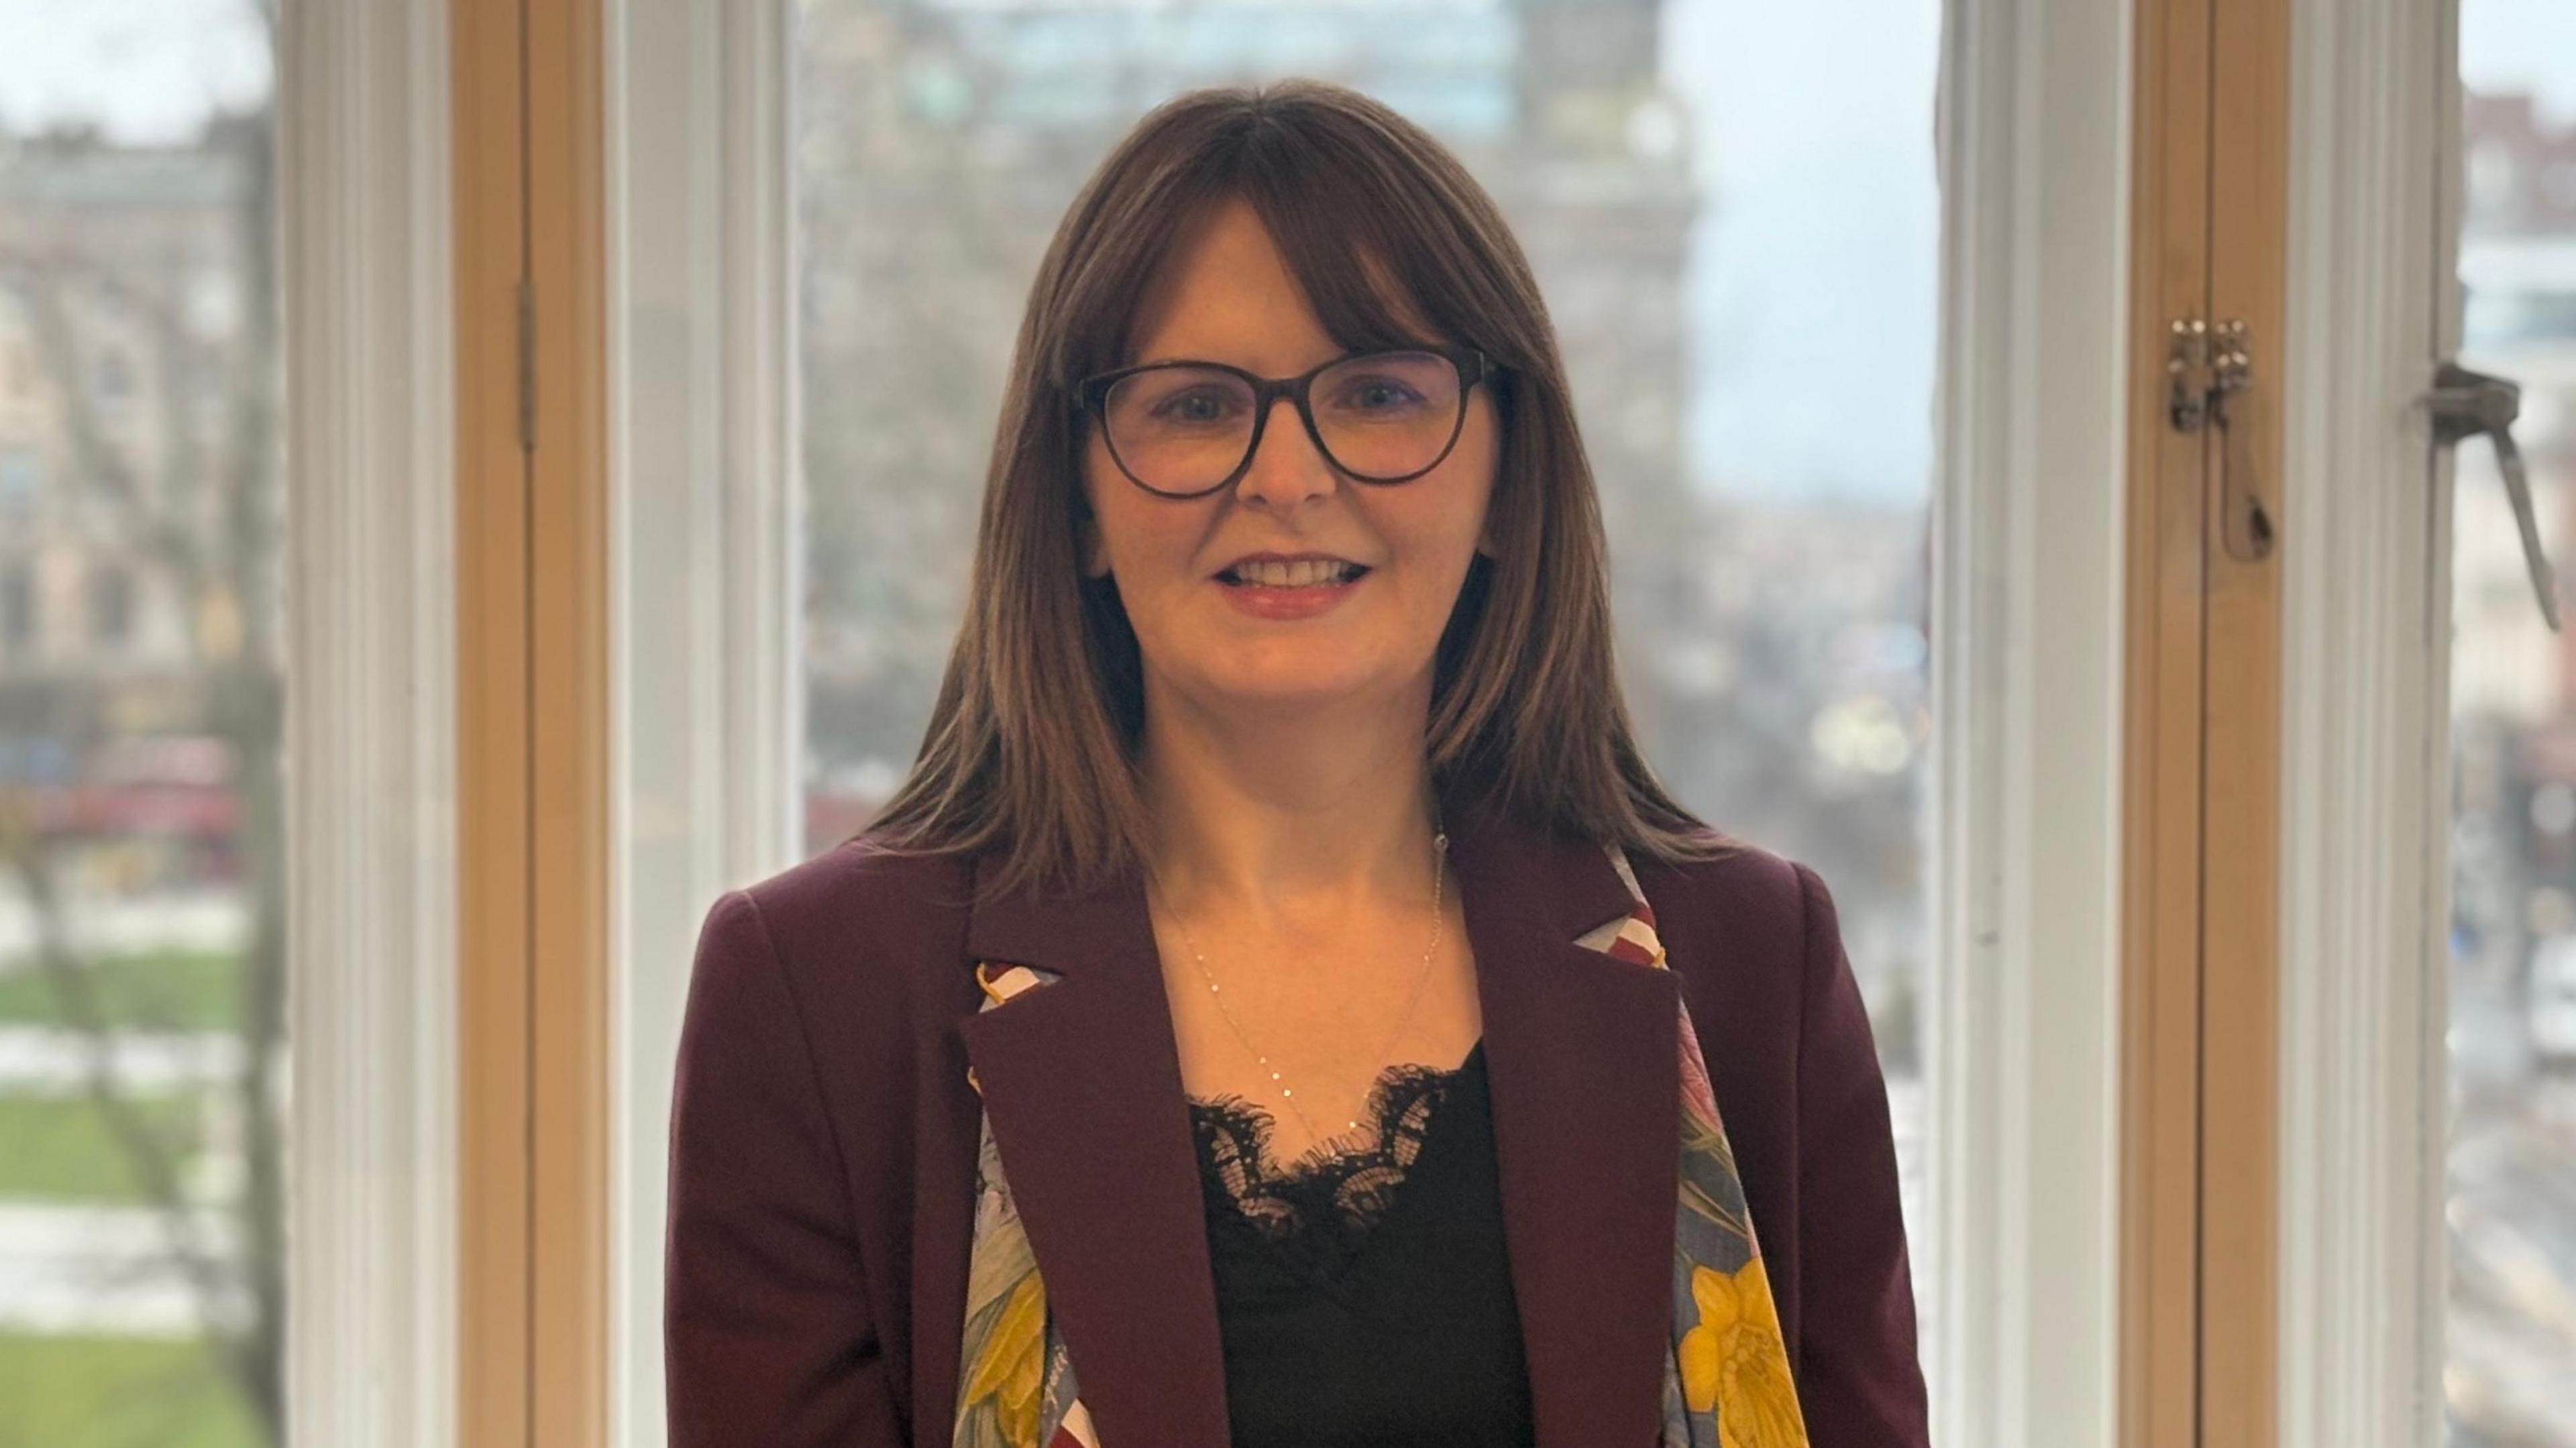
(824, 1133)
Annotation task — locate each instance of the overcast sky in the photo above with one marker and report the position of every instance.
(147, 70)
(1816, 268)
(1814, 271)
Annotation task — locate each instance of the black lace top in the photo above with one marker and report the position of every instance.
(1363, 1293)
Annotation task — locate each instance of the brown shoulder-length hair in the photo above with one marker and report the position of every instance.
(1034, 745)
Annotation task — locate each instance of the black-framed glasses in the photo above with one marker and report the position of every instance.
(1185, 429)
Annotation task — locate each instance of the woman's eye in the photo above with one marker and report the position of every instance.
(1192, 407)
(1376, 394)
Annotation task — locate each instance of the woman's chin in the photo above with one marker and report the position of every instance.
(1292, 679)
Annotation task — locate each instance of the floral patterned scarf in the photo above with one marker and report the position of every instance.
(1726, 1381)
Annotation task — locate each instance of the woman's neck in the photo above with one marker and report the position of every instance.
(1289, 815)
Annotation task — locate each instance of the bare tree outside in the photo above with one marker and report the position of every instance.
(142, 777)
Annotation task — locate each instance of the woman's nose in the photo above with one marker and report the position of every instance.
(1286, 467)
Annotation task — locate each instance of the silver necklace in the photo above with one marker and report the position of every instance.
(1439, 858)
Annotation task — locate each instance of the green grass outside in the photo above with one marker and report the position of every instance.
(159, 991)
(86, 1392)
(60, 1149)
(90, 1392)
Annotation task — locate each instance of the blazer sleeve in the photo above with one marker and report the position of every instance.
(1860, 1378)
(767, 1337)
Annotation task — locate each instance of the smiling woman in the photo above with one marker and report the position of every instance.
(1420, 473)
(1230, 705)
(1231, 237)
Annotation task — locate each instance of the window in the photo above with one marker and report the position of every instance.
(142, 929)
(17, 369)
(22, 478)
(17, 607)
(2510, 1212)
(1751, 318)
(111, 606)
(113, 380)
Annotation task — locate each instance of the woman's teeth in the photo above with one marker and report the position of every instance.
(1302, 573)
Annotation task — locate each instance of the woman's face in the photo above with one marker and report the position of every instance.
(1229, 297)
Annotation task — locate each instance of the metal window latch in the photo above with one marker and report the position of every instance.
(2209, 371)
(2187, 366)
(2465, 404)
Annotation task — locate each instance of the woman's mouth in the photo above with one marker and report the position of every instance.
(1300, 573)
(1270, 589)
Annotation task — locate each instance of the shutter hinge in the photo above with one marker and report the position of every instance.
(527, 367)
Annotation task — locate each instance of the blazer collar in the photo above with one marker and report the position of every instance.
(1081, 1081)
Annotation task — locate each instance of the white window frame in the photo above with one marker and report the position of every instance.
(2029, 579)
(2028, 617)
(705, 509)
(2365, 804)
(365, 271)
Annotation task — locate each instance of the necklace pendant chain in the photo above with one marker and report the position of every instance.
(1439, 862)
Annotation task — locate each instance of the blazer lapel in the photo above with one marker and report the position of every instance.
(1081, 1079)
(1583, 1051)
(1082, 1083)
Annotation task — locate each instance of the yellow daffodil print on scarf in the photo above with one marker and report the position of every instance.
(1733, 1361)
(1728, 1384)
(1004, 1380)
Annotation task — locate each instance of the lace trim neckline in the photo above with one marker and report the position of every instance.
(1323, 1202)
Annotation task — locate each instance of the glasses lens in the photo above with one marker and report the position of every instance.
(1384, 415)
(1389, 414)
(1180, 429)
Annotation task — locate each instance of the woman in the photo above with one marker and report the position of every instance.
(1281, 1007)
